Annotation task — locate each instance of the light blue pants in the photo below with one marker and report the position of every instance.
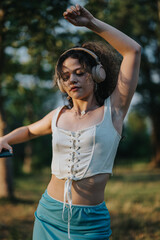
(87, 222)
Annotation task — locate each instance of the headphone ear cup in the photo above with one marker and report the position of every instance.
(60, 86)
(98, 73)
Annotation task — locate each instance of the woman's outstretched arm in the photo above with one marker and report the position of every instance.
(127, 47)
(26, 133)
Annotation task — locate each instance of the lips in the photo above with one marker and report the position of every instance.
(74, 89)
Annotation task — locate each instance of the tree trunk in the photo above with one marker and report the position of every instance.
(156, 141)
(156, 158)
(6, 176)
(28, 158)
(6, 183)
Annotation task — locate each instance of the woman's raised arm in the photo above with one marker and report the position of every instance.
(127, 47)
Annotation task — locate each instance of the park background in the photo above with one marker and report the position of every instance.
(32, 36)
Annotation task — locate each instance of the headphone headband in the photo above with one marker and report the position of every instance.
(85, 50)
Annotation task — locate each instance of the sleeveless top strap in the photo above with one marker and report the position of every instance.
(55, 116)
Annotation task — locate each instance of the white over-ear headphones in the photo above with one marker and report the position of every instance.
(98, 72)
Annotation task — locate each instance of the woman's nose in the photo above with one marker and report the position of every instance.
(72, 78)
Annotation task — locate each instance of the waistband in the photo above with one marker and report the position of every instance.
(68, 202)
(87, 222)
(75, 205)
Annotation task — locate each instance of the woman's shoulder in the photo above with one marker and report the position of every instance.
(56, 111)
(51, 114)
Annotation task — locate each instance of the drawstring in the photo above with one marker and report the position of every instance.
(68, 182)
(68, 199)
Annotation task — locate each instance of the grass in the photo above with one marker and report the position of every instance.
(132, 196)
(17, 216)
(133, 199)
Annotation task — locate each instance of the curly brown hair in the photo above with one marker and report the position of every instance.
(108, 57)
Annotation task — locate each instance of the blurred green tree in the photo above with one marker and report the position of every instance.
(136, 143)
(31, 38)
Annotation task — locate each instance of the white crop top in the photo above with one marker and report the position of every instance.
(83, 153)
(87, 152)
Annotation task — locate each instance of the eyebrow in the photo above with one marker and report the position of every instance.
(79, 68)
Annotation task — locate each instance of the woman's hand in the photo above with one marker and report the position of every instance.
(78, 16)
(4, 145)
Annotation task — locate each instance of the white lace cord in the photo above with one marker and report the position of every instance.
(68, 198)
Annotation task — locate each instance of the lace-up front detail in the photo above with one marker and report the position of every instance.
(73, 162)
(73, 165)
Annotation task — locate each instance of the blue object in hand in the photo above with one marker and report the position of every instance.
(5, 153)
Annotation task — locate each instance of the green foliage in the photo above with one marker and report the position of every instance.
(136, 142)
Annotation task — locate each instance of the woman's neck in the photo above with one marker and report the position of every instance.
(81, 107)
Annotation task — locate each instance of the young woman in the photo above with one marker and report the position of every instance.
(86, 133)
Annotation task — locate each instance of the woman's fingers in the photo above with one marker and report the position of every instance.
(78, 15)
(71, 20)
(6, 146)
(78, 8)
(72, 11)
(10, 149)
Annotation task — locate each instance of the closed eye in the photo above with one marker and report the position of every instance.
(65, 76)
(80, 74)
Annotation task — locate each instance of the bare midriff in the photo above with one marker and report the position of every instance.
(87, 191)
